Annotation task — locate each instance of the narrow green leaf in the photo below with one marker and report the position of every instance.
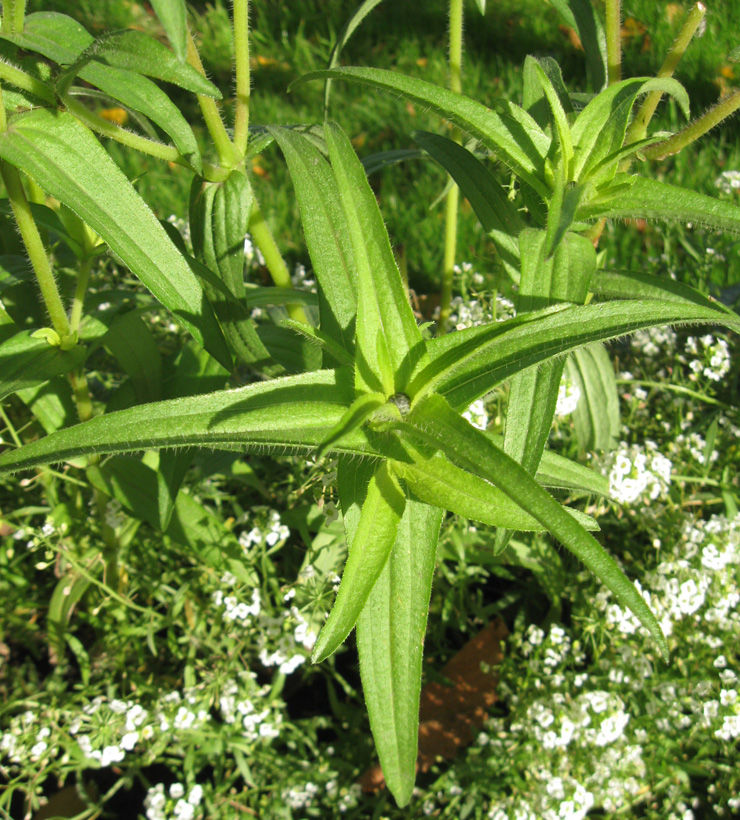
(25, 362)
(600, 128)
(327, 234)
(51, 403)
(390, 643)
(533, 94)
(291, 414)
(583, 17)
(219, 216)
(481, 6)
(138, 52)
(368, 553)
(653, 199)
(469, 363)
(324, 341)
(67, 593)
(510, 132)
(562, 473)
(347, 31)
(70, 164)
(559, 117)
(597, 415)
(435, 480)
(62, 39)
(435, 422)
(384, 314)
(173, 17)
(357, 413)
(634, 285)
(561, 278)
(497, 214)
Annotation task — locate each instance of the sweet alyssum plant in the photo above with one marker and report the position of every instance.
(372, 391)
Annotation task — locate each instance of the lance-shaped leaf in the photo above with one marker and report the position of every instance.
(347, 31)
(386, 327)
(533, 394)
(596, 417)
(613, 284)
(497, 214)
(219, 216)
(435, 480)
(390, 642)
(62, 39)
(533, 94)
(651, 199)
(584, 18)
(71, 165)
(327, 234)
(138, 52)
(369, 550)
(600, 128)
(25, 362)
(291, 414)
(470, 363)
(435, 422)
(509, 131)
(357, 413)
(173, 17)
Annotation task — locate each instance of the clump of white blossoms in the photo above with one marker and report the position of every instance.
(637, 472)
(728, 181)
(569, 394)
(270, 534)
(654, 341)
(712, 357)
(163, 805)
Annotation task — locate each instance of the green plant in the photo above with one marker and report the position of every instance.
(363, 381)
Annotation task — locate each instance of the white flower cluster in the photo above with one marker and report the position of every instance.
(172, 804)
(696, 446)
(274, 532)
(301, 280)
(713, 357)
(569, 394)
(285, 649)
(242, 703)
(654, 341)
(638, 473)
(305, 796)
(252, 252)
(233, 608)
(728, 181)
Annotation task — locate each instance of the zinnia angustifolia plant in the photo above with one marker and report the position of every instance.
(372, 391)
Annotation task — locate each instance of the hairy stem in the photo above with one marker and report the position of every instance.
(638, 129)
(711, 118)
(35, 249)
(241, 51)
(228, 155)
(613, 41)
(452, 199)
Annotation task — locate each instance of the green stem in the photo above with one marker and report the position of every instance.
(452, 200)
(82, 279)
(263, 238)
(228, 156)
(241, 51)
(9, 73)
(9, 427)
(613, 41)
(35, 248)
(19, 13)
(8, 7)
(638, 129)
(675, 388)
(723, 109)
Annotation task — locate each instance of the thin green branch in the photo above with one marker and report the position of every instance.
(638, 129)
(713, 117)
(13, 75)
(19, 13)
(80, 290)
(263, 238)
(613, 41)
(452, 200)
(35, 249)
(241, 52)
(228, 155)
